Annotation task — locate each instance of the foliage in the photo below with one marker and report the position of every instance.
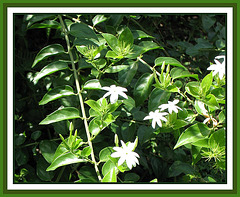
(85, 83)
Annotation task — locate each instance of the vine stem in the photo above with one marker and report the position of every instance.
(80, 97)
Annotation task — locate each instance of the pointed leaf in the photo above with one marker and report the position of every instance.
(168, 60)
(179, 167)
(193, 134)
(149, 45)
(110, 176)
(125, 37)
(47, 52)
(143, 88)
(46, 24)
(61, 114)
(116, 69)
(63, 160)
(138, 34)
(177, 73)
(81, 30)
(125, 76)
(98, 19)
(48, 149)
(49, 69)
(112, 41)
(92, 84)
(157, 97)
(57, 93)
(94, 105)
(206, 83)
(104, 153)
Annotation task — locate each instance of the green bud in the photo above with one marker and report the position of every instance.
(168, 69)
(163, 66)
(71, 127)
(116, 141)
(135, 143)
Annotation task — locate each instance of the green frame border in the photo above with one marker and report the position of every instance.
(124, 3)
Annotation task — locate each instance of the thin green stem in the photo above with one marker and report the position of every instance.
(146, 64)
(80, 97)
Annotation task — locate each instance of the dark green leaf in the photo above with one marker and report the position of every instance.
(131, 177)
(49, 69)
(179, 124)
(157, 97)
(47, 52)
(19, 139)
(177, 73)
(208, 22)
(112, 41)
(61, 114)
(125, 37)
(179, 167)
(36, 134)
(196, 156)
(168, 60)
(57, 93)
(48, 149)
(104, 153)
(63, 160)
(142, 88)
(144, 134)
(193, 134)
(125, 76)
(41, 170)
(116, 69)
(46, 24)
(149, 45)
(138, 34)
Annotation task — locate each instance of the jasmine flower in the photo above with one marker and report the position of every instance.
(127, 154)
(218, 67)
(156, 117)
(171, 106)
(114, 91)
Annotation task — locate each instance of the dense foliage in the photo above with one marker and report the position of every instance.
(120, 98)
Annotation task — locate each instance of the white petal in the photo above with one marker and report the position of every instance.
(113, 97)
(121, 160)
(123, 95)
(159, 123)
(175, 101)
(106, 88)
(154, 124)
(107, 94)
(116, 154)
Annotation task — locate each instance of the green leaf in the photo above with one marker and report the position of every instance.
(198, 107)
(208, 22)
(112, 54)
(144, 134)
(46, 24)
(92, 84)
(63, 160)
(179, 124)
(48, 51)
(87, 174)
(211, 101)
(41, 170)
(125, 37)
(110, 176)
(57, 93)
(196, 156)
(49, 69)
(81, 30)
(142, 88)
(206, 83)
(138, 34)
(19, 139)
(148, 45)
(48, 149)
(168, 60)
(107, 167)
(94, 105)
(38, 17)
(218, 138)
(36, 134)
(116, 69)
(131, 177)
(95, 126)
(112, 41)
(86, 151)
(179, 72)
(125, 76)
(157, 97)
(104, 153)
(60, 151)
(193, 88)
(179, 167)
(193, 134)
(98, 19)
(61, 114)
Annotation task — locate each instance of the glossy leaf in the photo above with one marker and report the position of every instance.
(110, 176)
(157, 97)
(94, 105)
(125, 37)
(57, 93)
(179, 124)
(41, 170)
(48, 149)
(81, 30)
(92, 84)
(193, 88)
(37, 18)
(104, 153)
(107, 167)
(63, 160)
(193, 134)
(116, 69)
(48, 51)
(86, 151)
(144, 134)
(49, 69)
(138, 34)
(179, 72)
(98, 19)
(142, 88)
(206, 83)
(112, 41)
(168, 60)
(211, 100)
(46, 24)
(149, 45)
(61, 114)
(125, 76)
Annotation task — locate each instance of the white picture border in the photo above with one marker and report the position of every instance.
(96, 10)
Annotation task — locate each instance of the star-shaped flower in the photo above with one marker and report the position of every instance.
(171, 106)
(114, 91)
(156, 117)
(127, 154)
(218, 67)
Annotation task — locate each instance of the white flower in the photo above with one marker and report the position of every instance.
(126, 154)
(156, 117)
(114, 91)
(218, 67)
(171, 106)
